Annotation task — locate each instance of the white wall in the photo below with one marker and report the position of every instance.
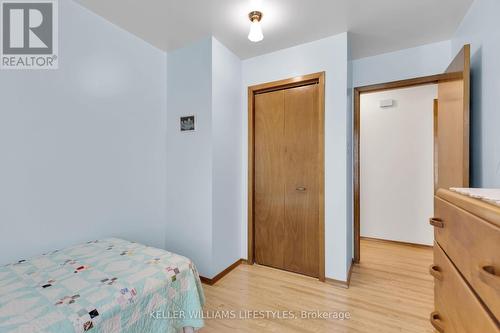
(83, 147)
(329, 55)
(226, 135)
(419, 61)
(189, 155)
(481, 28)
(204, 167)
(397, 165)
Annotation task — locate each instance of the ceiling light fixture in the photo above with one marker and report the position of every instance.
(255, 34)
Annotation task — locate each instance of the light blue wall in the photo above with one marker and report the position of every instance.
(419, 61)
(83, 147)
(350, 156)
(227, 158)
(90, 151)
(204, 167)
(481, 28)
(206, 172)
(329, 55)
(189, 155)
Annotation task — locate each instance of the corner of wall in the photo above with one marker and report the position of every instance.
(226, 136)
(349, 174)
(189, 161)
(204, 78)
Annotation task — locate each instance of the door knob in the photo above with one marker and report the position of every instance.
(301, 189)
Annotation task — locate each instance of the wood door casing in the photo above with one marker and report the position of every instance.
(269, 202)
(287, 180)
(301, 179)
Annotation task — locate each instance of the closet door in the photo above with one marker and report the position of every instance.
(286, 192)
(269, 200)
(302, 180)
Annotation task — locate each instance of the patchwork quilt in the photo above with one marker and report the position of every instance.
(109, 285)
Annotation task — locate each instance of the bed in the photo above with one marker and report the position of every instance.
(109, 285)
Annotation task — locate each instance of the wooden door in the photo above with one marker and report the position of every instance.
(301, 180)
(287, 179)
(269, 200)
(453, 124)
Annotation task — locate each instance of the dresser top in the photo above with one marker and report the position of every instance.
(490, 195)
(487, 209)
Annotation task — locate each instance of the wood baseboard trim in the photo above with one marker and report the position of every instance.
(397, 242)
(340, 283)
(219, 276)
(350, 273)
(337, 283)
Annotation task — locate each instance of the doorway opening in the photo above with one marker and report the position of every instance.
(450, 114)
(397, 169)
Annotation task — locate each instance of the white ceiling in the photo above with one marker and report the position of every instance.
(377, 26)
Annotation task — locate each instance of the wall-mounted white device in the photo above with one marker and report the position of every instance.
(386, 103)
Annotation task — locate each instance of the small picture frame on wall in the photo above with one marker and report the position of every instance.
(188, 123)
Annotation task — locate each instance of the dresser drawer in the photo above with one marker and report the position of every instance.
(457, 309)
(473, 246)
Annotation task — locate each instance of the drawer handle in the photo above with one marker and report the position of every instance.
(301, 189)
(489, 275)
(435, 271)
(436, 322)
(436, 222)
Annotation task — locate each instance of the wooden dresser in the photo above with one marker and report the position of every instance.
(466, 265)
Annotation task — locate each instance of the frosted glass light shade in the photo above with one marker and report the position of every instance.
(255, 34)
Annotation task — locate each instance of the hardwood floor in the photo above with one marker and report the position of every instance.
(391, 291)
